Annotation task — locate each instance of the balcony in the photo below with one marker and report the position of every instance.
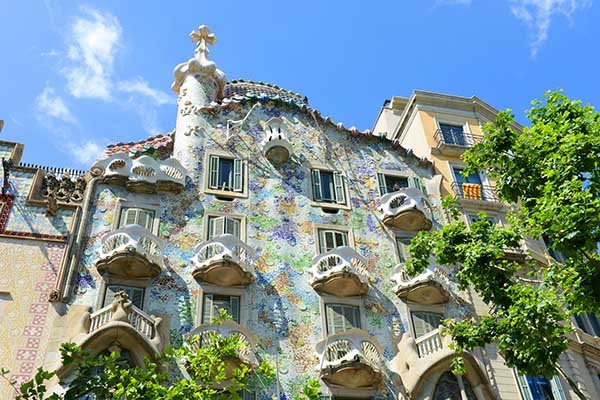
(340, 272)
(276, 146)
(426, 288)
(143, 174)
(243, 355)
(454, 142)
(475, 193)
(224, 261)
(131, 252)
(351, 359)
(406, 209)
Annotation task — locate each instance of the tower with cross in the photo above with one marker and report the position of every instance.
(198, 83)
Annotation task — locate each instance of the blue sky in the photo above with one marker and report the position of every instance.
(77, 76)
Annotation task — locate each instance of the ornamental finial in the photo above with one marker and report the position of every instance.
(203, 38)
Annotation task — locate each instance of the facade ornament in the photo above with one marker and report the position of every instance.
(65, 189)
(200, 64)
(120, 307)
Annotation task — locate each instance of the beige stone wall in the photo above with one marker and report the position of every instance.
(28, 270)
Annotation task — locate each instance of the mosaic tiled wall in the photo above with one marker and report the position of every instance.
(280, 226)
(28, 272)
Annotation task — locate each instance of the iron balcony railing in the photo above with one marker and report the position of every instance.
(475, 191)
(456, 138)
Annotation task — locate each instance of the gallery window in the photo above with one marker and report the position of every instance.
(220, 225)
(135, 215)
(328, 186)
(135, 295)
(226, 174)
(329, 239)
(425, 322)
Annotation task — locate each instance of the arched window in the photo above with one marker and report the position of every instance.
(448, 388)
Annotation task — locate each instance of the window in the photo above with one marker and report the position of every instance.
(392, 183)
(556, 255)
(453, 134)
(341, 318)
(328, 186)
(448, 388)
(139, 216)
(588, 323)
(402, 243)
(329, 239)
(538, 388)
(226, 174)
(213, 303)
(218, 226)
(476, 218)
(425, 322)
(135, 294)
(470, 186)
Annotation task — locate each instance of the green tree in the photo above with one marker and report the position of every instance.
(550, 170)
(111, 377)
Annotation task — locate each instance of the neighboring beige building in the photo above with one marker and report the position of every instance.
(441, 127)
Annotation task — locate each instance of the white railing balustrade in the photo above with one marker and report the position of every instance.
(143, 169)
(352, 345)
(403, 201)
(227, 328)
(340, 259)
(123, 310)
(134, 238)
(429, 343)
(224, 248)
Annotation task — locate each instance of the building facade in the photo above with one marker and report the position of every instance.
(296, 225)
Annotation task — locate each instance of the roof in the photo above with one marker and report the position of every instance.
(160, 145)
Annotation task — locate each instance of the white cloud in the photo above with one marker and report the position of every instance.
(49, 104)
(93, 42)
(140, 86)
(537, 14)
(86, 152)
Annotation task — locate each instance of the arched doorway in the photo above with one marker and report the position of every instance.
(452, 387)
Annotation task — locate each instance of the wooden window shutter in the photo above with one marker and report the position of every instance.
(232, 226)
(338, 183)
(146, 219)
(238, 177)
(213, 174)
(316, 185)
(335, 319)
(216, 227)
(382, 185)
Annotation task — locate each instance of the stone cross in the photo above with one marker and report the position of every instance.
(203, 38)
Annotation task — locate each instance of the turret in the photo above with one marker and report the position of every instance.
(198, 82)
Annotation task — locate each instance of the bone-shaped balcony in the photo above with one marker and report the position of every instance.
(406, 209)
(243, 354)
(351, 359)
(131, 252)
(340, 272)
(276, 145)
(143, 174)
(426, 288)
(224, 261)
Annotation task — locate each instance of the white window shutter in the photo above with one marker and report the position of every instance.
(146, 219)
(132, 216)
(316, 185)
(213, 173)
(341, 239)
(207, 309)
(525, 392)
(216, 227)
(382, 185)
(238, 170)
(338, 182)
(335, 319)
(557, 390)
(234, 227)
(327, 241)
(235, 308)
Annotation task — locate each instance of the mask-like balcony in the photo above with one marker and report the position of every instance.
(351, 359)
(406, 209)
(224, 261)
(143, 174)
(340, 272)
(122, 315)
(131, 252)
(276, 146)
(426, 288)
(243, 355)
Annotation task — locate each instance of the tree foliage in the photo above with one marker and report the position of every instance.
(550, 171)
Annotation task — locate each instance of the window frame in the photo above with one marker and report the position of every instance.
(556, 386)
(430, 308)
(456, 122)
(587, 322)
(414, 181)
(243, 193)
(209, 215)
(143, 289)
(329, 227)
(356, 301)
(207, 288)
(345, 205)
(110, 280)
(204, 304)
(406, 256)
(135, 203)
